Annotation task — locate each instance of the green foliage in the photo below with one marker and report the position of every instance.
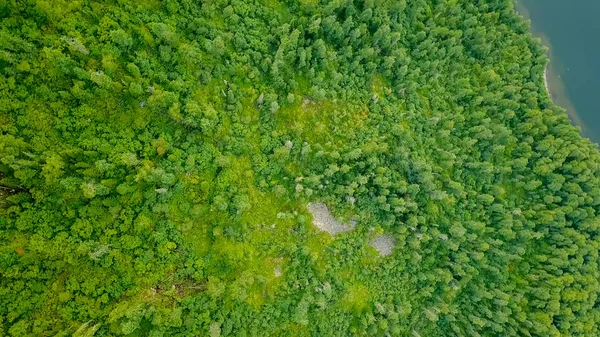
(157, 157)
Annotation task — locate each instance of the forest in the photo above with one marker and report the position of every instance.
(158, 159)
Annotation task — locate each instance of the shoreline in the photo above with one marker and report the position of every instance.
(546, 84)
(522, 11)
(562, 100)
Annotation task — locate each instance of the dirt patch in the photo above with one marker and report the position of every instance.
(384, 244)
(278, 270)
(324, 221)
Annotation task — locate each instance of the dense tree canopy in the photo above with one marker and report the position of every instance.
(157, 157)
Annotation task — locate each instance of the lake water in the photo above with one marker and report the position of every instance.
(570, 28)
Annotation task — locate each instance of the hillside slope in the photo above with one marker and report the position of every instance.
(157, 159)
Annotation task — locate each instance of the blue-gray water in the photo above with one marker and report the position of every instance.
(570, 28)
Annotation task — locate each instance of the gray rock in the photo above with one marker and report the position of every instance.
(324, 221)
(384, 244)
